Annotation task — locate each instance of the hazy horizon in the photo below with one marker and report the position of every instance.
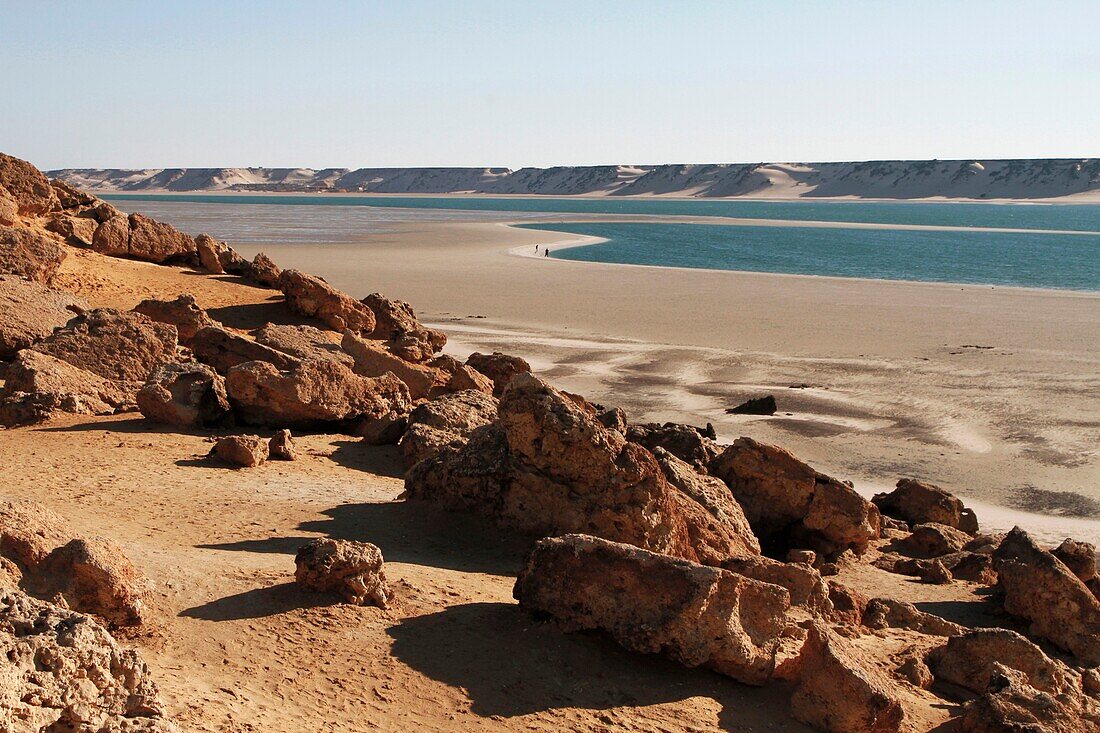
(512, 85)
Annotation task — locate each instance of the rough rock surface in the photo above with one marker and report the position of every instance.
(371, 360)
(756, 406)
(77, 230)
(64, 672)
(444, 421)
(805, 585)
(840, 691)
(263, 271)
(38, 385)
(1011, 705)
(1038, 587)
(498, 367)
(29, 312)
(353, 570)
(26, 186)
(185, 394)
(313, 393)
(789, 504)
(94, 576)
(281, 446)
(652, 603)
(466, 377)
(210, 252)
(184, 313)
(138, 237)
(396, 324)
(29, 532)
(967, 661)
(917, 502)
(933, 540)
(683, 441)
(303, 342)
(888, 613)
(9, 210)
(311, 296)
(1079, 557)
(124, 347)
(246, 451)
(223, 350)
(29, 254)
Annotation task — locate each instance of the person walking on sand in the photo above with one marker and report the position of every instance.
(546, 252)
(536, 249)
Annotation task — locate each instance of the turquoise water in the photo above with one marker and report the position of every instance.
(993, 258)
(1067, 217)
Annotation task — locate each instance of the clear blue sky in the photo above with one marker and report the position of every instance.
(419, 82)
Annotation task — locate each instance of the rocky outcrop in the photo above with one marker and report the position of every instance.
(550, 467)
(223, 350)
(246, 451)
(311, 394)
(888, 613)
(185, 394)
(445, 421)
(9, 210)
(29, 532)
(805, 585)
(263, 271)
(313, 297)
(686, 442)
(353, 570)
(64, 672)
(917, 502)
(210, 252)
(29, 312)
(756, 406)
(405, 336)
(26, 186)
(372, 360)
(184, 313)
(498, 367)
(76, 230)
(281, 447)
(467, 378)
(933, 540)
(94, 576)
(38, 386)
(1038, 587)
(28, 254)
(655, 604)
(789, 504)
(1079, 557)
(968, 660)
(1010, 704)
(138, 237)
(841, 691)
(304, 342)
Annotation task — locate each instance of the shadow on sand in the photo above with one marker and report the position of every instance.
(258, 603)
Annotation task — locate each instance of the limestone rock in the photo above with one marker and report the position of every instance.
(445, 421)
(889, 613)
(498, 367)
(918, 502)
(805, 585)
(26, 186)
(76, 230)
(29, 312)
(975, 567)
(38, 385)
(468, 378)
(112, 236)
(184, 313)
(313, 297)
(313, 393)
(686, 442)
(304, 342)
(263, 271)
(1079, 557)
(29, 532)
(933, 540)
(789, 504)
(652, 603)
(155, 241)
(27, 253)
(967, 660)
(71, 198)
(247, 451)
(353, 570)
(94, 576)
(371, 360)
(281, 446)
(396, 324)
(188, 395)
(1011, 704)
(9, 210)
(223, 350)
(210, 252)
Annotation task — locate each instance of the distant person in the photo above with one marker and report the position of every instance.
(536, 249)
(546, 253)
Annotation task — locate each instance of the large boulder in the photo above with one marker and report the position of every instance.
(184, 313)
(312, 394)
(371, 360)
(71, 198)
(263, 271)
(1011, 705)
(27, 253)
(223, 350)
(123, 347)
(304, 342)
(155, 241)
(686, 442)
(805, 585)
(840, 690)
(94, 576)
(77, 230)
(917, 502)
(185, 394)
(789, 504)
(65, 672)
(548, 466)
(37, 386)
(1079, 557)
(313, 297)
(498, 367)
(933, 540)
(396, 324)
(466, 377)
(210, 252)
(445, 421)
(353, 570)
(29, 312)
(1038, 587)
(26, 186)
(653, 603)
(968, 661)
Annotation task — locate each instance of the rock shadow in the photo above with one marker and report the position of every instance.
(258, 603)
(381, 460)
(510, 665)
(248, 316)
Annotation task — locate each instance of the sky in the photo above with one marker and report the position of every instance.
(517, 83)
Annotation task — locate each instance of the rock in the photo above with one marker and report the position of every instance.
(94, 576)
(188, 395)
(498, 367)
(154, 241)
(9, 210)
(64, 672)
(313, 297)
(77, 230)
(841, 691)
(849, 605)
(304, 342)
(805, 585)
(29, 532)
(26, 186)
(1010, 704)
(888, 613)
(934, 572)
(445, 421)
(264, 272)
(806, 557)
(112, 236)
(37, 386)
(972, 566)
(29, 254)
(1038, 587)
(1079, 557)
(652, 603)
(312, 394)
(614, 419)
(967, 660)
(917, 502)
(71, 198)
(933, 540)
(686, 442)
(755, 406)
(354, 570)
(184, 313)
(790, 504)
(928, 570)
(210, 252)
(247, 451)
(123, 347)
(396, 324)
(914, 670)
(373, 361)
(468, 378)
(281, 447)
(223, 350)
(29, 312)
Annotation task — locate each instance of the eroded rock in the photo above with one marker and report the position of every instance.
(223, 350)
(313, 297)
(371, 360)
(27, 186)
(917, 502)
(246, 451)
(498, 367)
(185, 394)
(686, 442)
(445, 421)
(184, 313)
(353, 570)
(406, 336)
(28, 254)
(37, 386)
(281, 447)
(94, 576)
(29, 312)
